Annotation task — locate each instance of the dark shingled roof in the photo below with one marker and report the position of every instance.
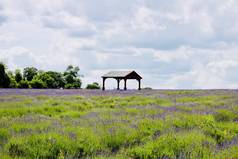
(119, 74)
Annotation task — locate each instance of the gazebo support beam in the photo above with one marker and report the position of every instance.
(118, 84)
(103, 83)
(125, 88)
(139, 81)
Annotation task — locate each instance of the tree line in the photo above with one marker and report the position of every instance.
(31, 77)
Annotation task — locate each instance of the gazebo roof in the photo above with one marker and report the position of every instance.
(121, 74)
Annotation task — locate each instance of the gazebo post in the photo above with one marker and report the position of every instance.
(103, 83)
(118, 84)
(139, 84)
(125, 84)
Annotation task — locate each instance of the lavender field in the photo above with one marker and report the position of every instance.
(147, 124)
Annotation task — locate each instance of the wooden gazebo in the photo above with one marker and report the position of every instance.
(122, 75)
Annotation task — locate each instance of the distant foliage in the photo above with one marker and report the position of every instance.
(46, 79)
(29, 73)
(72, 86)
(18, 75)
(71, 70)
(58, 78)
(4, 78)
(34, 78)
(94, 85)
(71, 77)
(23, 84)
(13, 83)
(37, 83)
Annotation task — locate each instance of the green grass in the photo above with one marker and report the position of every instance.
(141, 127)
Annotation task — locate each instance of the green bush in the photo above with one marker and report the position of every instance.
(224, 115)
(23, 84)
(49, 82)
(86, 144)
(115, 138)
(181, 145)
(146, 130)
(95, 85)
(40, 146)
(28, 127)
(230, 152)
(4, 135)
(143, 101)
(13, 83)
(100, 101)
(55, 146)
(148, 127)
(72, 86)
(36, 83)
(221, 132)
(189, 121)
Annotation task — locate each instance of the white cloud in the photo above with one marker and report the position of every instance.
(174, 44)
(18, 57)
(182, 53)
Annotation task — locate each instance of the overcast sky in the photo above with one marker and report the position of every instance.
(171, 43)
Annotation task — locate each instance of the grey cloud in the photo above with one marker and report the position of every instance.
(101, 11)
(3, 19)
(81, 33)
(103, 35)
(72, 25)
(195, 23)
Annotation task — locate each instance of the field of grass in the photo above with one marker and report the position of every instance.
(147, 124)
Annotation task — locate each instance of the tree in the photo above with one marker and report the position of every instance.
(71, 70)
(18, 75)
(46, 79)
(72, 77)
(10, 74)
(37, 83)
(13, 83)
(58, 78)
(94, 85)
(69, 79)
(4, 79)
(76, 84)
(29, 73)
(40, 79)
(23, 84)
